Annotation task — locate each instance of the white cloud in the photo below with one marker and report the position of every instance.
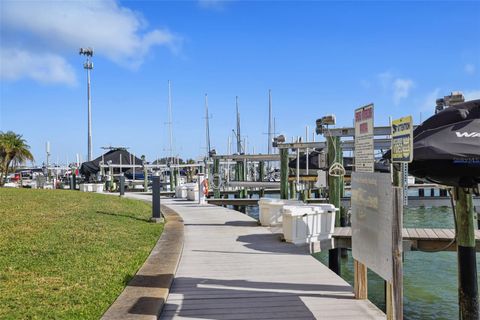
(401, 89)
(44, 67)
(40, 29)
(469, 68)
(472, 95)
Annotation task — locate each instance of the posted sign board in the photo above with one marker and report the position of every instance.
(364, 157)
(402, 140)
(372, 222)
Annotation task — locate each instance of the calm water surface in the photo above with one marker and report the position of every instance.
(430, 279)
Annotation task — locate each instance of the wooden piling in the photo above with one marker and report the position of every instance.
(334, 194)
(466, 255)
(261, 171)
(394, 289)
(216, 178)
(145, 178)
(293, 191)
(284, 173)
(240, 176)
(172, 182)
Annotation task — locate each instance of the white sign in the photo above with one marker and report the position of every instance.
(372, 222)
(364, 156)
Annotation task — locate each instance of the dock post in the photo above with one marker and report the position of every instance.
(240, 176)
(466, 255)
(122, 185)
(156, 212)
(74, 181)
(145, 178)
(334, 195)
(175, 177)
(216, 178)
(283, 173)
(172, 182)
(261, 171)
(394, 289)
(293, 192)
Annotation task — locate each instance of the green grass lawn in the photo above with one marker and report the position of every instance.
(67, 254)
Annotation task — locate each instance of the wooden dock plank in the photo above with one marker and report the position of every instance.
(233, 269)
(421, 233)
(431, 233)
(450, 233)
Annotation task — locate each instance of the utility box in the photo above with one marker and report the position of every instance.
(270, 210)
(306, 224)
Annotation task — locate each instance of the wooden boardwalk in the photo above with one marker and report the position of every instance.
(233, 269)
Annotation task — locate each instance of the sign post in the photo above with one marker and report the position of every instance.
(402, 154)
(364, 162)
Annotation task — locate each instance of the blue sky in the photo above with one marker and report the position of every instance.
(316, 57)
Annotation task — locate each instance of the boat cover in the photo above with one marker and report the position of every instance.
(91, 168)
(446, 147)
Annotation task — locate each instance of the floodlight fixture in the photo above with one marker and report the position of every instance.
(86, 52)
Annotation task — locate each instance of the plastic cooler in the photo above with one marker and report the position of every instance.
(181, 191)
(192, 192)
(270, 210)
(308, 223)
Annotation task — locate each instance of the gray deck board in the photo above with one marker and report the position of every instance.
(233, 269)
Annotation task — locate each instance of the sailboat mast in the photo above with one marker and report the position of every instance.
(170, 119)
(269, 135)
(239, 141)
(207, 126)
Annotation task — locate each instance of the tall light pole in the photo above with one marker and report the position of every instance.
(88, 65)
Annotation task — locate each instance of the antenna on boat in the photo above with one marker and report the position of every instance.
(170, 119)
(207, 127)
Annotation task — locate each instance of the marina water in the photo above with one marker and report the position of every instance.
(430, 279)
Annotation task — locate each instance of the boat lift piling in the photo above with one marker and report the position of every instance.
(466, 255)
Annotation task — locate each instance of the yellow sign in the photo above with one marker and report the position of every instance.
(402, 140)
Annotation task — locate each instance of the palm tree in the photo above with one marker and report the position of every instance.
(13, 151)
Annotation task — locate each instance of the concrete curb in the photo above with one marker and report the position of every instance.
(146, 293)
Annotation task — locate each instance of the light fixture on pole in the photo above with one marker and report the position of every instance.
(88, 65)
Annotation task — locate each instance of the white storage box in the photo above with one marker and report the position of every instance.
(181, 191)
(305, 224)
(91, 187)
(97, 187)
(192, 192)
(270, 210)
